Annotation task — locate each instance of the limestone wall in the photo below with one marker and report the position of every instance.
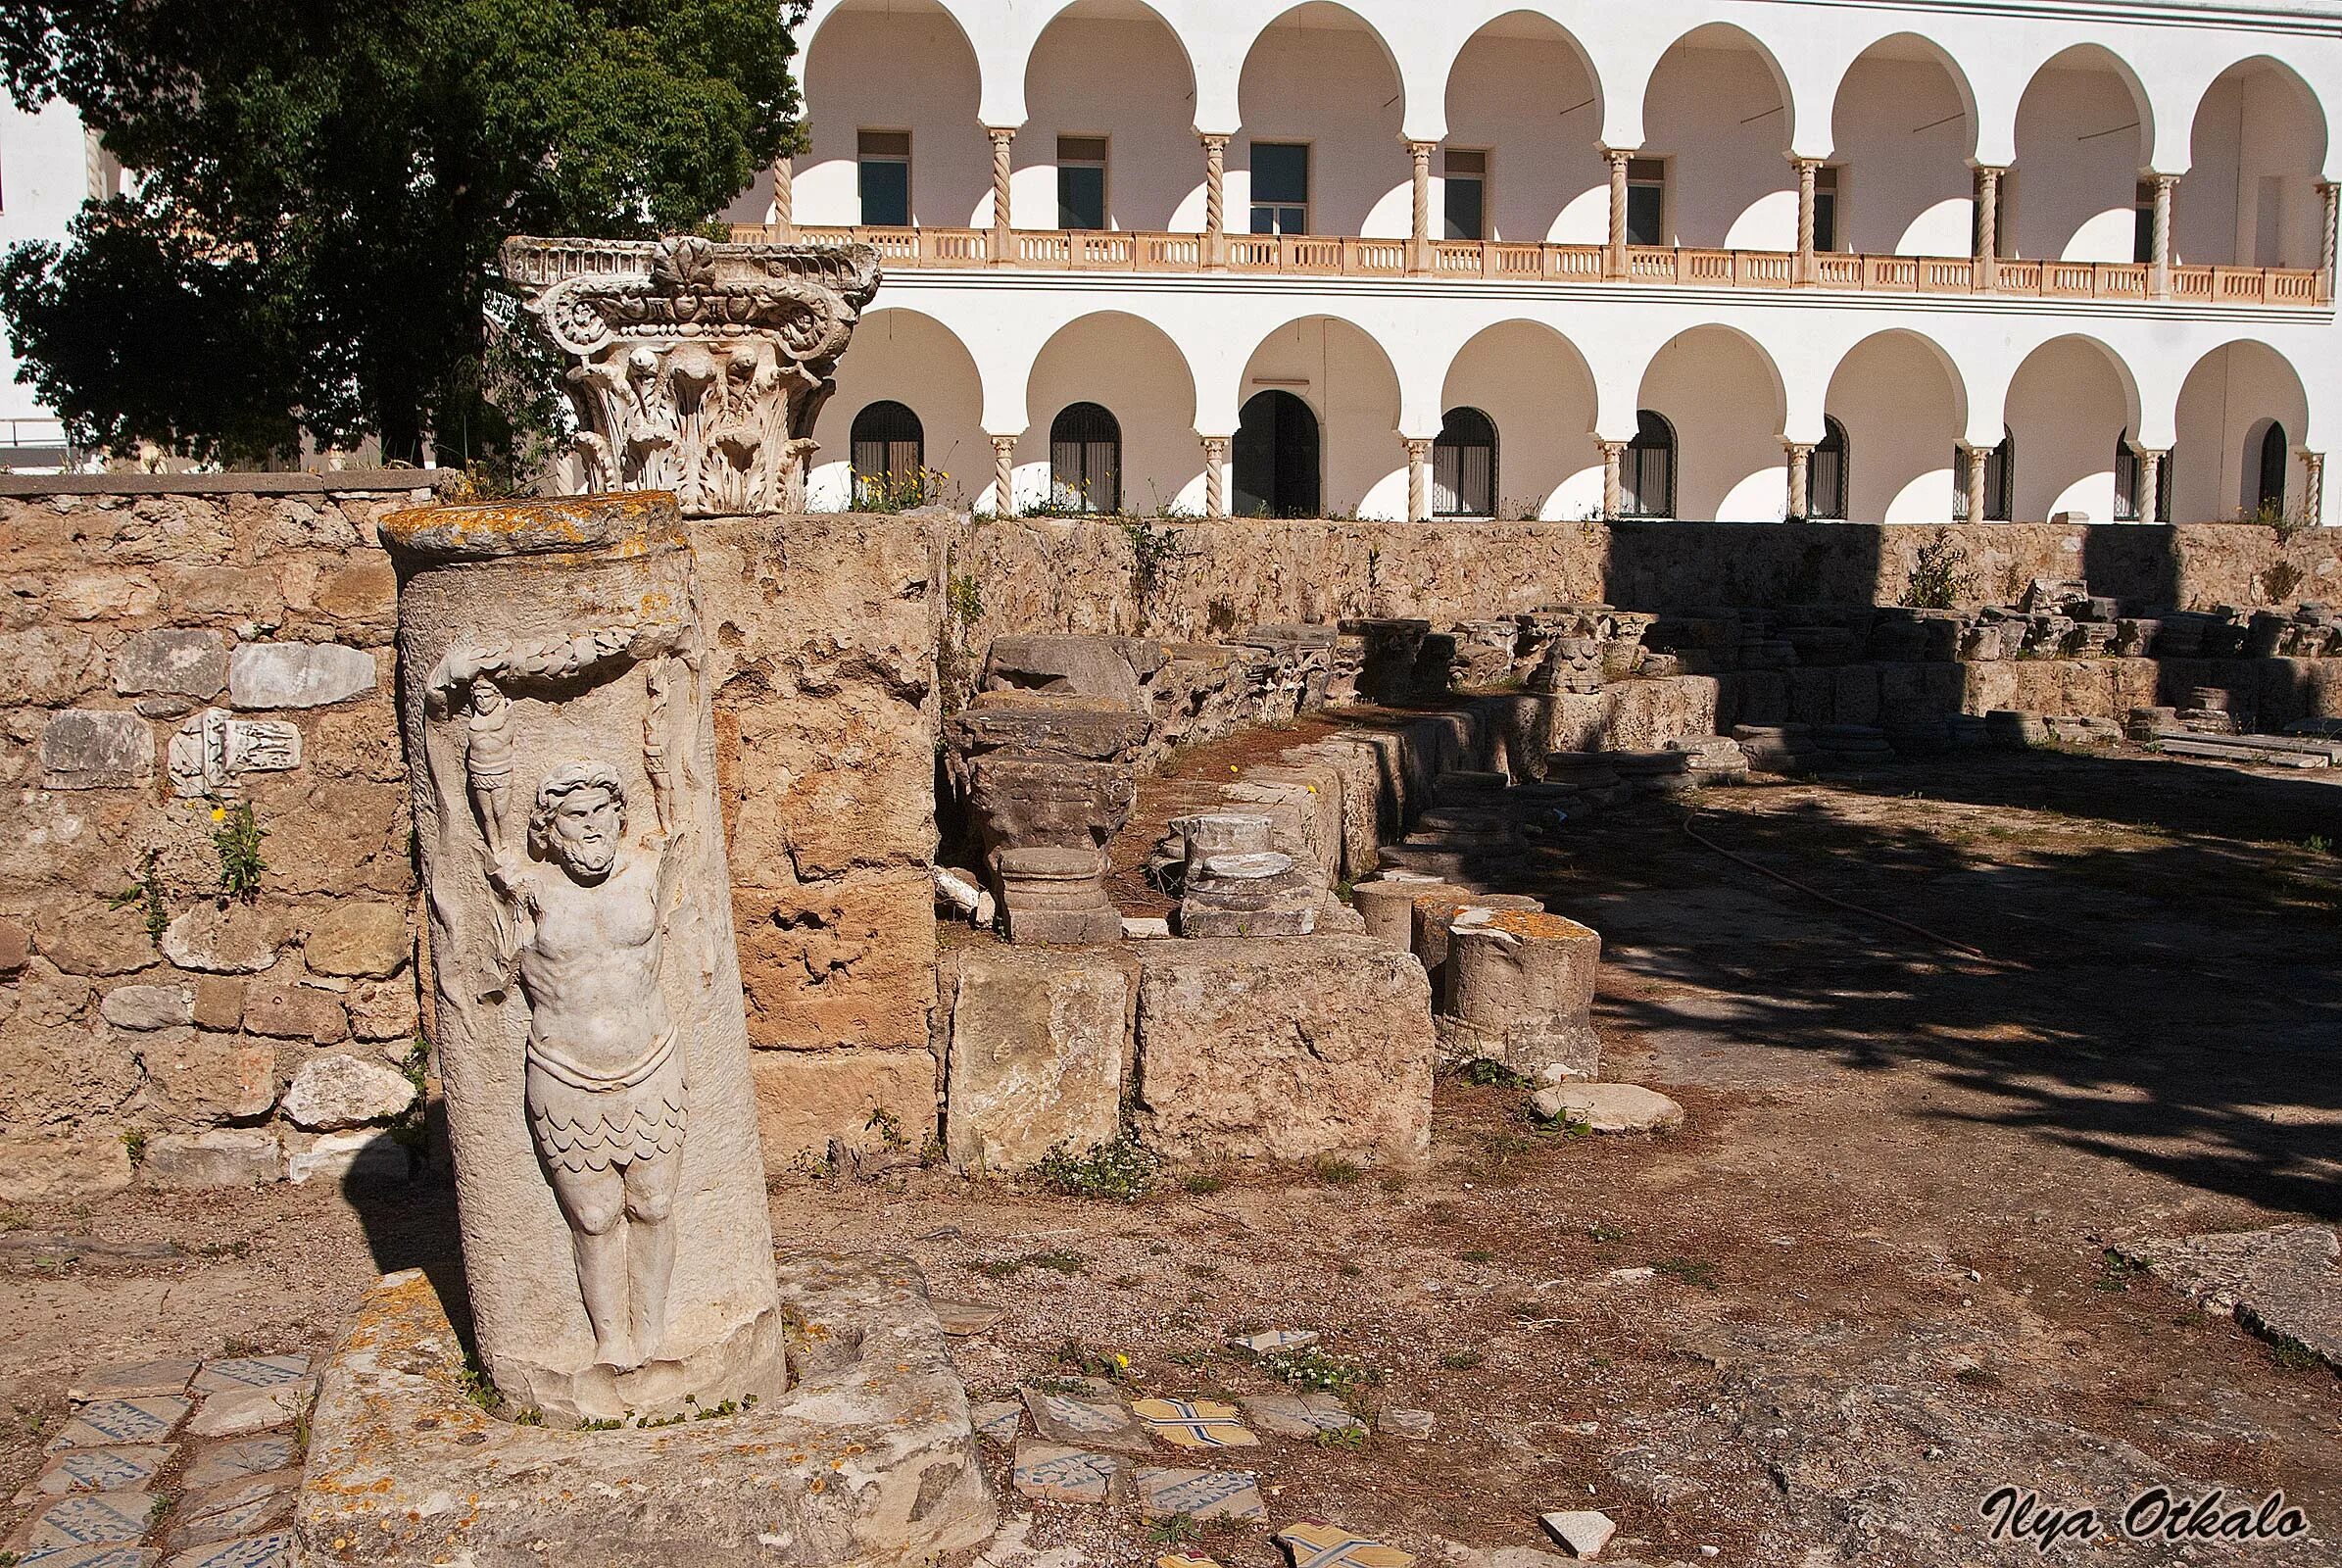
(171, 652)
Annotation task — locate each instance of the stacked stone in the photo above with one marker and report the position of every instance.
(1779, 748)
(207, 647)
(1235, 885)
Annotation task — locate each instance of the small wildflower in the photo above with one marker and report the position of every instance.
(219, 813)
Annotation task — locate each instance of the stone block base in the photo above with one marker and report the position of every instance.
(870, 1461)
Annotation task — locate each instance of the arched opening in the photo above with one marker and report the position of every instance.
(2083, 132)
(1720, 392)
(1086, 461)
(1647, 474)
(899, 86)
(2067, 401)
(1276, 458)
(1536, 387)
(1716, 116)
(2269, 474)
(2234, 398)
(1902, 129)
(1825, 474)
(1523, 101)
(2000, 482)
(914, 362)
(2251, 196)
(1109, 96)
(889, 456)
(1318, 93)
(1464, 465)
(2130, 482)
(1899, 398)
(1343, 375)
(1132, 369)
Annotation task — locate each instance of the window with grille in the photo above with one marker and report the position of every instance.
(1647, 474)
(1280, 187)
(1466, 176)
(1464, 465)
(1082, 183)
(885, 178)
(888, 457)
(1825, 474)
(1085, 460)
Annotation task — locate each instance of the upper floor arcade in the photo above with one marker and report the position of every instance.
(2133, 152)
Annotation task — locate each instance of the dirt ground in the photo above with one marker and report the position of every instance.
(1864, 1287)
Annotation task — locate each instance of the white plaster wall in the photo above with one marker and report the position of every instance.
(1717, 389)
(1127, 80)
(1534, 385)
(2068, 408)
(1902, 134)
(909, 69)
(1318, 75)
(2253, 127)
(44, 177)
(2077, 167)
(1349, 383)
(1530, 102)
(1901, 410)
(2222, 406)
(1139, 374)
(1717, 114)
(909, 358)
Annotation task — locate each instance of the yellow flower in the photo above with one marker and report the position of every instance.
(219, 813)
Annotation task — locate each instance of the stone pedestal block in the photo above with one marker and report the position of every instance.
(1387, 907)
(1257, 894)
(1284, 1049)
(1036, 1056)
(1523, 983)
(1436, 908)
(589, 1026)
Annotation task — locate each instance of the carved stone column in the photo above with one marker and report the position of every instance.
(696, 368)
(784, 198)
(1801, 459)
(1419, 505)
(1988, 179)
(2159, 276)
(2312, 487)
(588, 1016)
(1215, 201)
(1614, 255)
(1215, 476)
(1972, 460)
(1003, 475)
(1004, 215)
(2150, 506)
(2332, 194)
(1614, 462)
(1419, 253)
(1809, 170)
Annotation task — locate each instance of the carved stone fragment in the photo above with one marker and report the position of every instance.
(696, 366)
(214, 748)
(589, 1022)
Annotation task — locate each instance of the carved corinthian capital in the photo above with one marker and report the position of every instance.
(696, 366)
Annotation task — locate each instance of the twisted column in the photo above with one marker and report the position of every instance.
(2159, 276)
(2312, 487)
(784, 197)
(2150, 506)
(1419, 505)
(1614, 258)
(1003, 475)
(1972, 479)
(1988, 225)
(1801, 456)
(1419, 154)
(1215, 476)
(1614, 460)
(1215, 202)
(1809, 170)
(1002, 212)
(2332, 195)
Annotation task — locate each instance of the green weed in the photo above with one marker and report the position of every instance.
(236, 840)
(1120, 1171)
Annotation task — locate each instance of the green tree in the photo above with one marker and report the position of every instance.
(321, 186)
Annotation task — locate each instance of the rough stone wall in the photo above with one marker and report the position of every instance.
(168, 651)
(824, 633)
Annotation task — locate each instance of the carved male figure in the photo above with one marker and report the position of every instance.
(604, 1088)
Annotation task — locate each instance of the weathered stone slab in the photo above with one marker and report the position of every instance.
(185, 661)
(1036, 1058)
(1093, 1423)
(218, 1156)
(128, 1467)
(1199, 1494)
(130, 1380)
(1284, 1049)
(998, 1421)
(1058, 1474)
(1585, 1531)
(90, 1519)
(235, 1373)
(963, 1318)
(359, 937)
(364, 1155)
(105, 1423)
(236, 1413)
(234, 940)
(274, 1549)
(243, 1506)
(2283, 1282)
(1609, 1107)
(869, 1457)
(298, 674)
(95, 748)
(1299, 1415)
(144, 1006)
(220, 1462)
(119, 1554)
(331, 1093)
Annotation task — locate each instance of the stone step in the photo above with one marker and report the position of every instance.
(2307, 746)
(2227, 750)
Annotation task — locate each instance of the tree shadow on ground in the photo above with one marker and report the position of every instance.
(2165, 979)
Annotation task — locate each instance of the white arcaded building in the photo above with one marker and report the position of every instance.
(1700, 259)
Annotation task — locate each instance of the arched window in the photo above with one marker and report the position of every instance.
(1825, 474)
(2129, 477)
(889, 455)
(2268, 470)
(1275, 456)
(1647, 479)
(1085, 460)
(2000, 481)
(1464, 465)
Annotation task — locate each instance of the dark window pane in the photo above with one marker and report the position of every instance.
(1647, 215)
(885, 193)
(1464, 217)
(2142, 237)
(1824, 222)
(1081, 197)
(1281, 172)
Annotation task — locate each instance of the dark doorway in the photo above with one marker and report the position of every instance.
(1276, 458)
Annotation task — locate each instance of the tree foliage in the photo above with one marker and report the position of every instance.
(321, 186)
